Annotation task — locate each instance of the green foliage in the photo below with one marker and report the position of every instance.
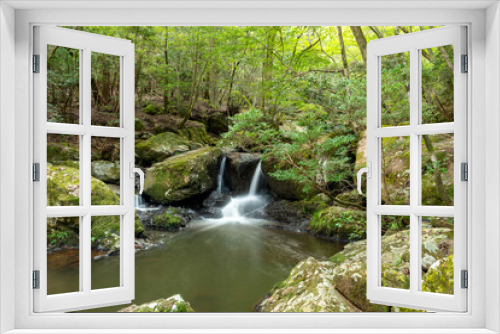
(316, 157)
(250, 130)
(339, 223)
(439, 279)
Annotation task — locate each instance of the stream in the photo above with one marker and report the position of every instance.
(226, 264)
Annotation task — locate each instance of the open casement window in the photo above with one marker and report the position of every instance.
(416, 145)
(82, 109)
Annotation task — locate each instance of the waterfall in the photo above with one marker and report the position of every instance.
(220, 177)
(255, 180)
(239, 206)
(139, 201)
(142, 206)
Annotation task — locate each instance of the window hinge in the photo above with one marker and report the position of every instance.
(36, 172)
(464, 167)
(465, 64)
(36, 279)
(465, 279)
(36, 63)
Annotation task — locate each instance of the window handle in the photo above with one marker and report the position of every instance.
(368, 171)
(139, 171)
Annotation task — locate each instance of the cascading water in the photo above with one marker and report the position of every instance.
(239, 206)
(255, 180)
(220, 177)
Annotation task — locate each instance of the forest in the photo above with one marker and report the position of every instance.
(257, 126)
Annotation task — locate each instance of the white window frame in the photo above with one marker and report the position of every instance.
(85, 43)
(413, 44)
(484, 103)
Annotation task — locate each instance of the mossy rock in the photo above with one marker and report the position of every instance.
(340, 223)
(139, 125)
(63, 186)
(440, 277)
(290, 190)
(61, 152)
(159, 147)
(152, 109)
(183, 176)
(317, 203)
(63, 189)
(309, 288)
(350, 264)
(106, 171)
(197, 133)
(174, 303)
(172, 219)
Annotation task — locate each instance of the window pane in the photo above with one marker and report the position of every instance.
(106, 238)
(63, 85)
(105, 89)
(437, 169)
(437, 84)
(395, 248)
(395, 89)
(63, 260)
(437, 255)
(63, 170)
(395, 170)
(105, 171)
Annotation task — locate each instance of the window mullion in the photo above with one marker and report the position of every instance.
(86, 166)
(415, 184)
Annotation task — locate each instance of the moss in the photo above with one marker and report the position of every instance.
(183, 176)
(308, 288)
(159, 147)
(171, 219)
(174, 303)
(153, 110)
(61, 152)
(138, 227)
(439, 278)
(139, 126)
(337, 258)
(317, 203)
(197, 134)
(339, 223)
(63, 187)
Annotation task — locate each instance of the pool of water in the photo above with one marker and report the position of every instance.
(217, 266)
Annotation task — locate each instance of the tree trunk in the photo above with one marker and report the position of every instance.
(360, 40)
(342, 49)
(167, 72)
(267, 66)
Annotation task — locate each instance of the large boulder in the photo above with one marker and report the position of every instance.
(291, 190)
(240, 168)
(183, 177)
(350, 270)
(339, 223)
(63, 188)
(309, 288)
(174, 303)
(196, 132)
(162, 146)
(217, 123)
(106, 171)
